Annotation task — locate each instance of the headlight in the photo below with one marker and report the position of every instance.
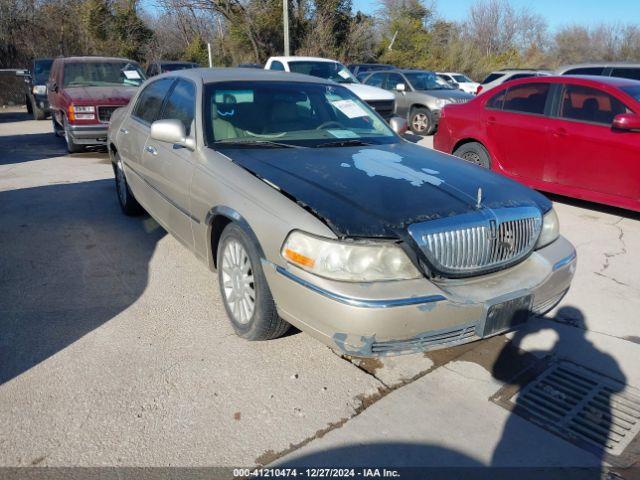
(550, 229)
(441, 102)
(39, 89)
(348, 261)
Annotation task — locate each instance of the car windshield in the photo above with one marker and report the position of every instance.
(279, 114)
(461, 78)
(330, 70)
(633, 91)
(41, 69)
(102, 74)
(426, 81)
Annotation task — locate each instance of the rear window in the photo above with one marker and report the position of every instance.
(633, 91)
(527, 98)
(491, 77)
(585, 71)
(588, 104)
(633, 73)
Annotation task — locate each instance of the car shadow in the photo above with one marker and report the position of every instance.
(30, 146)
(599, 207)
(70, 262)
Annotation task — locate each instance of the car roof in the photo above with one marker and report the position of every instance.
(214, 75)
(509, 71)
(598, 64)
(450, 73)
(410, 70)
(175, 62)
(303, 59)
(587, 80)
(88, 59)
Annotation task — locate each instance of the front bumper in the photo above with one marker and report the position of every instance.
(390, 318)
(89, 134)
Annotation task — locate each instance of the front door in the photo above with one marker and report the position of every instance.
(170, 168)
(591, 155)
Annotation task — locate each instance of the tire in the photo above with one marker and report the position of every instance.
(38, 113)
(27, 102)
(421, 121)
(240, 270)
(127, 201)
(72, 147)
(474, 152)
(57, 129)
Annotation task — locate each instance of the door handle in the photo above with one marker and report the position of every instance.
(151, 150)
(124, 131)
(491, 120)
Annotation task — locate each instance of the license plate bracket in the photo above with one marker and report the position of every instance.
(506, 315)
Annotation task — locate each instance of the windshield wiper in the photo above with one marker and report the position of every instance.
(352, 142)
(256, 143)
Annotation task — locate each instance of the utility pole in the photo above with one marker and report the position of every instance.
(285, 19)
(209, 52)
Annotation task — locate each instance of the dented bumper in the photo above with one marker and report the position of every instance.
(390, 318)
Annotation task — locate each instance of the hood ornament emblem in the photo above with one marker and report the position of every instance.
(479, 198)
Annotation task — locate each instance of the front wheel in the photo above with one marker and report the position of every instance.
(474, 152)
(421, 121)
(72, 147)
(38, 113)
(243, 287)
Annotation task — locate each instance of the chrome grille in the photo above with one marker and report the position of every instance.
(104, 113)
(478, 242)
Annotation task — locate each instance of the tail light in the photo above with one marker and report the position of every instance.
(479, 89)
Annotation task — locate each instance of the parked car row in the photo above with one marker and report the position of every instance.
(315, 213)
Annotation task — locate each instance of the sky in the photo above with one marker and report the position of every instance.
(556, 12)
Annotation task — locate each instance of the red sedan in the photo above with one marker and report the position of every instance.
(575, 136)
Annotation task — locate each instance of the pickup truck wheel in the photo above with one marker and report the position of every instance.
(475, 153)
(127, 201)
(421, 121)
(243, 287)
(38, 113)
(72, 147)
(27, 102)
(57, 129)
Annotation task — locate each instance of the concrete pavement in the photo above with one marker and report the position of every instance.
(115, 349)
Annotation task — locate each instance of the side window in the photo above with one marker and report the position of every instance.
(585, 71)
(633, 73)
(276, 65)
(150, 100)
(587, 104)
(393, 79)
(527, 98)
(376, 80)
(496, 101)
(520, 75)
(181, 104)
(491, 77)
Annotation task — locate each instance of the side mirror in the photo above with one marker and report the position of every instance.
(628, 122)
(171, 131)
(401, 87)
(398, 125)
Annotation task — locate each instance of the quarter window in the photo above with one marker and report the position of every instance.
(181, 104)
(527, 98)
(589, 105)
(150, 100)
(633, 73)
(276, 65)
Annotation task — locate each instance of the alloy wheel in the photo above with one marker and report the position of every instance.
(237, 281)
(420, 122)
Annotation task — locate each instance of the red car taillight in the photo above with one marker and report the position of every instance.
(479, 89)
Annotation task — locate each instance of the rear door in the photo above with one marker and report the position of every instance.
(516, 128)
(591, 155)
(170, 167)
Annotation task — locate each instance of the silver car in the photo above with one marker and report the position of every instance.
(315, 213)
(420, 96)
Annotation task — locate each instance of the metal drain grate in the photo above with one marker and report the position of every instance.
(593, 411)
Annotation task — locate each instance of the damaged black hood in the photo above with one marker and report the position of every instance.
(379, 190)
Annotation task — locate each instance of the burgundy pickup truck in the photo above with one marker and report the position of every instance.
(83, 92)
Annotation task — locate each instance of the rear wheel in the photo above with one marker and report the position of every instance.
(243, 287)
(127, 201)
(474, 152)
(421, 121)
